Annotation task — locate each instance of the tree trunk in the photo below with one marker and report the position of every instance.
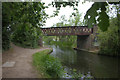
(40, 42)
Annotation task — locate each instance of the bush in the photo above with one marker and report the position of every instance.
(5, 40)
(26, 36)
(46, 64)
(109, 40)
(53, 66)
(79, 75)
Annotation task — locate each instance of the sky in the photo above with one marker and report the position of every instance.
(67, 11)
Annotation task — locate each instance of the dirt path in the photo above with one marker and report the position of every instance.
(23, 67)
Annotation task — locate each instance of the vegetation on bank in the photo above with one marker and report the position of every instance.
(64, 43)
(47, 65)
(61, 41)
(76, 74)
(109, 40)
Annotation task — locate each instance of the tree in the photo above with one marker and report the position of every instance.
(103, 18)
(58, 4)
(18, 13)
(109, 40)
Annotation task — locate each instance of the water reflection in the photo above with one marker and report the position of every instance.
(84, 62)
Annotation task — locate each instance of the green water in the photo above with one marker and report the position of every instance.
(84, 62)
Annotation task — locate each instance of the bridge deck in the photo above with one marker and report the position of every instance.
(71, 30)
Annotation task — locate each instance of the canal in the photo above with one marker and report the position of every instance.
(84, 62)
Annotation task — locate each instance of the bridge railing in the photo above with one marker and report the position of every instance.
(56, 31)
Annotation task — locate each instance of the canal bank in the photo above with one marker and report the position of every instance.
(91, 51)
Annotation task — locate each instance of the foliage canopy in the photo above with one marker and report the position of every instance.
(19, 14)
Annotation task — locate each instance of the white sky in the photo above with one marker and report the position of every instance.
(67, 11)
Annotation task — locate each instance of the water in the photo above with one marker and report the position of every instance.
(85, 62)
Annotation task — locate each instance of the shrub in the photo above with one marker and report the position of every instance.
(53, 66)
(5, 40)
(48, 65)
(109, 40)
(26, 36)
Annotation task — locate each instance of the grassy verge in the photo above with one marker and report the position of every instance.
(47, 65)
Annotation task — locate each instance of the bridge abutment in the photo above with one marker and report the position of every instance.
(86, 42)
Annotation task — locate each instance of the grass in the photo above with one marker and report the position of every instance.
(47, 65)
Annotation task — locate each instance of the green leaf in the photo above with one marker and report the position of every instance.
(103, 17)
(103, 21)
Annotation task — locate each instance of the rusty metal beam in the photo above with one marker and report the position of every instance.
(69, 30)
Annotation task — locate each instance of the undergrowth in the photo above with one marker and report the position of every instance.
(47, 65)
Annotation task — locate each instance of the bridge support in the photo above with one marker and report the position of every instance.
(86, 42)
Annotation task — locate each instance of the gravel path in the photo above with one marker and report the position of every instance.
(23, 67)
